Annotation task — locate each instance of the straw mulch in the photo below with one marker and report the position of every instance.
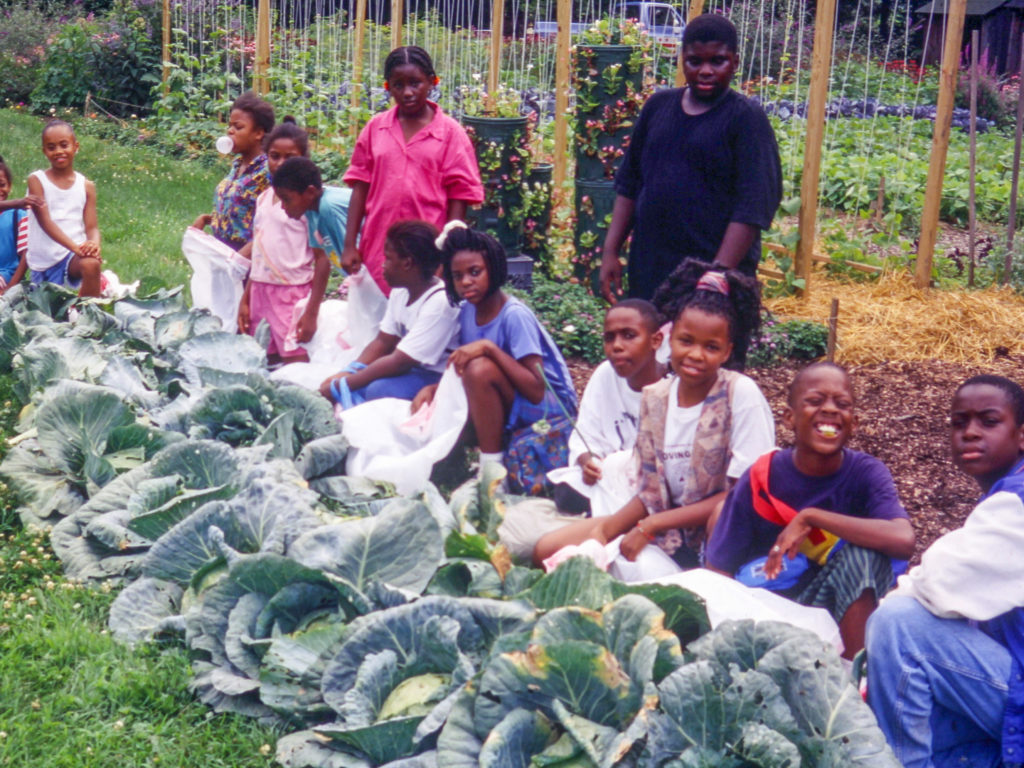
(890, 319)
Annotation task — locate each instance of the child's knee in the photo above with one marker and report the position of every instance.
(480, 370)
(89, 268)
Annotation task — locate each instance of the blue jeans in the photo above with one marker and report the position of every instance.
(937, 686)
(405, 386)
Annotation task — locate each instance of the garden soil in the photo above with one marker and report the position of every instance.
(903, 411)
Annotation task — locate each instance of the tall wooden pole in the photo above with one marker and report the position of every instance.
(494, 74)
(1011, 226)
(397, 19)
(357, 70)
(262, 64)
(972, 213)
(165, 48)
(821, 64)
(563, 55)
(696, 9)
(955, 12)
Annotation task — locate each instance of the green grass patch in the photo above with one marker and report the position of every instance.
(70, 695)
(145, 200)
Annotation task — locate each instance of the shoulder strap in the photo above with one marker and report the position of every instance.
(772, 508)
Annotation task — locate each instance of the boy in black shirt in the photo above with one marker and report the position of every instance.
(701, 176)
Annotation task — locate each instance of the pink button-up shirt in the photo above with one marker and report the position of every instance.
(413, 180)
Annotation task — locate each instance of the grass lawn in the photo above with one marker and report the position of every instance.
(145, 200)
(69, 695)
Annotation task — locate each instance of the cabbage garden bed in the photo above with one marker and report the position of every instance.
(367, 629)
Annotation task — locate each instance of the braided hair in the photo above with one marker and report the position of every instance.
(464, 239)
(740, 305)
(409, 54)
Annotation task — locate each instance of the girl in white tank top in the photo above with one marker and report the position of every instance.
(67, 211)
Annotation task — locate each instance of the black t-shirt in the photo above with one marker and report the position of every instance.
(691, 175)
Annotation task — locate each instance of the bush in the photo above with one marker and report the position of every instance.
(24, 32)
(789, 340)
(116, 59)
(573, 317)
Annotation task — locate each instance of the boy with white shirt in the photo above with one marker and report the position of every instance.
(946, 647)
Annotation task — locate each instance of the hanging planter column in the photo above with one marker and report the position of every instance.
(608, 82)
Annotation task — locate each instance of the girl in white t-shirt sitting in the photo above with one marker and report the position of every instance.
(419, 329)
(698, 430)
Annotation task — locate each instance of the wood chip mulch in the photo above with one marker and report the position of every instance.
(903, 411)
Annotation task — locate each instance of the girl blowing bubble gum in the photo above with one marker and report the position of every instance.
(234, 202)
(63, 233)
(698, 430)
(285, 268)
(410, 162)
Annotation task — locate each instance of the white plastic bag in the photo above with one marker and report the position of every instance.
(389, 443)
(728, 599)
(218, 276)
(329, 350)
(608, 495)
(366, 305)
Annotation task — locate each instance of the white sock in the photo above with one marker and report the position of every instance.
(496, 457)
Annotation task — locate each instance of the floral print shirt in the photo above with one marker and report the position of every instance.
(234, 202)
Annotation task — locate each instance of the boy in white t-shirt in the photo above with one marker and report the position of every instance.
(419, 329)
(611, 401)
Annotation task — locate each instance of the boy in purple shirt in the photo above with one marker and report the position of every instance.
(815, 493)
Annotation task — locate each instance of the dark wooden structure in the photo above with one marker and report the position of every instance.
(999, 23)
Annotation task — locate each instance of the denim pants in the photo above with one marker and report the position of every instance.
(404, 386)
(937, 686)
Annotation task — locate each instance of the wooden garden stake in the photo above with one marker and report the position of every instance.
(396, 23)
(696, 9)
(563, 45)
(1011, 225)
(955, 12)
(821, 62)
(165, 47)
(972, 213)
(833, 331)
(357, 70)
(494, 75)
(262, 64)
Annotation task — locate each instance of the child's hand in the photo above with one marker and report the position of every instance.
(30, 201)
(306, 327)
(89, 250)
(591, 468)
(351, 260)
(325, 387)
(424, 397)
(243, 314)
(460, 357)
(632, 544)
(3, 285)
(788, 544)
(203, 221)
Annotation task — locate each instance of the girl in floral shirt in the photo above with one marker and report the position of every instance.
(234, 202)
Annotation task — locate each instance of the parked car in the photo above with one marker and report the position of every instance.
(662, 21)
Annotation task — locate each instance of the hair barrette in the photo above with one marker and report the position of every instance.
(715, 282)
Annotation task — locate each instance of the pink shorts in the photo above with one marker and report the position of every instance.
(276, 304)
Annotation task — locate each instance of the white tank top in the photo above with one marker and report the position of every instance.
(67, 211)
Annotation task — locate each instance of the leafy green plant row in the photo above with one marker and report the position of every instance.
(374, 630)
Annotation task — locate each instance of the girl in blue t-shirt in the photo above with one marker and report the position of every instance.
(13, 232)
(503, 347)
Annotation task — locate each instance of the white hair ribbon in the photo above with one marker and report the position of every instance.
(440, 240)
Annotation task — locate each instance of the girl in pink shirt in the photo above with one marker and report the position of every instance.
(410, 162)
(285, 268)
